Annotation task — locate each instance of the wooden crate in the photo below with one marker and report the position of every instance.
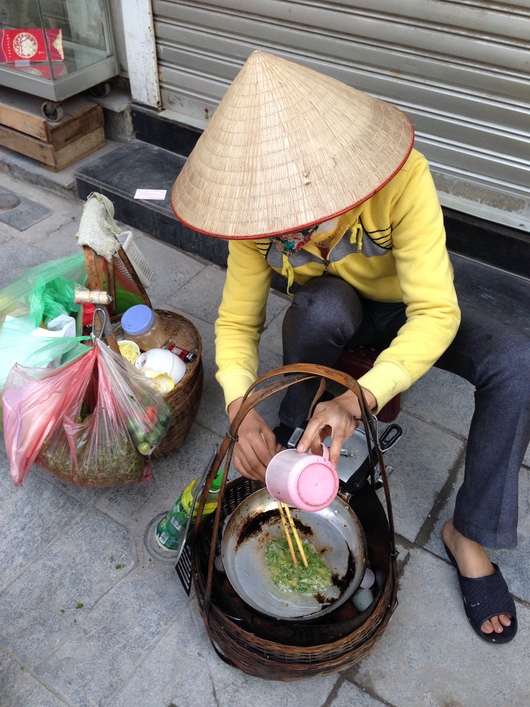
(24, 129)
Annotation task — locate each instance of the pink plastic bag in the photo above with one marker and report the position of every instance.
(93, 422)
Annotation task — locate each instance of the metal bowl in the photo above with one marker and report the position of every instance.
(334, 532)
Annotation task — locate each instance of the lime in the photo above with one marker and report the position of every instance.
(144, 448)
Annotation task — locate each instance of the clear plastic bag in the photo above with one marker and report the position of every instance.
(93, 422)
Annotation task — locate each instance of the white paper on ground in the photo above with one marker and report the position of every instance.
(154, 194)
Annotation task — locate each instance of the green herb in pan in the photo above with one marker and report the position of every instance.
(288, 577)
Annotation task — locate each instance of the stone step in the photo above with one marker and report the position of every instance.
(139, 165)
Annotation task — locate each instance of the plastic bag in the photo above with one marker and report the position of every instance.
(31, 292)
(40, 294)
(92, 422)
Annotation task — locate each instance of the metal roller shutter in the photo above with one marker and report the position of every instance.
(460, 69)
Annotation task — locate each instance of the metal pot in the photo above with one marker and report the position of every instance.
(334, 532)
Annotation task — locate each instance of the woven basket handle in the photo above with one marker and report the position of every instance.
(287, 376)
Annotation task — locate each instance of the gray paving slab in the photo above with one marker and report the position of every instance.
(349, 694)
(50, 599)
(5, 236)
(88, 496)
(429, 655)
(61, 242)
(200, 297)
(23, 212)
(173, 268)
(94, 661)
(422, 461)
(19, 687)
(184, 671)
(443, 399)
(17, 258)
(27, 530)
(60, 212)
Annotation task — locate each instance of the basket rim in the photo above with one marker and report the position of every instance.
(192, 366)
(270, 660)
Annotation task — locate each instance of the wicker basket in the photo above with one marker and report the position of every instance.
(287, 650)
(185, 398)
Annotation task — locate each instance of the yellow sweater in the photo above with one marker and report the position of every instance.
(391, 248)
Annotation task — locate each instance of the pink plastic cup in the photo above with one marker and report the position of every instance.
(308, 481)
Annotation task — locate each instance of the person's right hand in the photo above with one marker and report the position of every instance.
(256, 443)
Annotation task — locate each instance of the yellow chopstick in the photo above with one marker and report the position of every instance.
(287, 534)
(295, 533)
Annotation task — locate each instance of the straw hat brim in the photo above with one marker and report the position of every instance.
(288, 147)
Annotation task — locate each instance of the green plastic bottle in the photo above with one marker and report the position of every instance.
(170, 530)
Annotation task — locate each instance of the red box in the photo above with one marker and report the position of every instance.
(31, 45)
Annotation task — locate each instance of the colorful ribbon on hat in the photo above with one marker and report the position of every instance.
(291, 243)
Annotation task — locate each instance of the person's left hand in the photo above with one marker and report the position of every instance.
(338, 418)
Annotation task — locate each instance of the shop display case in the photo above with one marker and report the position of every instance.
(55, 49)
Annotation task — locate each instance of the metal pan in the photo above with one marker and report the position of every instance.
(334, 532)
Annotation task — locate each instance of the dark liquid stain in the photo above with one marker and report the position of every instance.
(302, 528)
(253, 526)
(345, 580)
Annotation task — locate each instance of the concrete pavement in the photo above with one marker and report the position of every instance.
(88, 617)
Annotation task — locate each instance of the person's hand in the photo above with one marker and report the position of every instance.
(256, 443)
(338, 418)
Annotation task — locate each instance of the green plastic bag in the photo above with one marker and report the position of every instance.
(52, 299)
(39, 295)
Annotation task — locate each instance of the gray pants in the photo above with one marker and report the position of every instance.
(327, 314)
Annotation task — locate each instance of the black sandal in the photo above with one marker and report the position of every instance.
(484, 598)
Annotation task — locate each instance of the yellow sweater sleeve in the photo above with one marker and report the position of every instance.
(425, 278)
(241, 318)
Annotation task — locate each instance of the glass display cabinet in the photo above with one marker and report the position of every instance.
(55, 49)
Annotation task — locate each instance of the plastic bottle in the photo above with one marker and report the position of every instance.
(88, 317)
(170, 530)
(143, 326)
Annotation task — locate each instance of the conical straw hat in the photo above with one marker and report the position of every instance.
(287, 147)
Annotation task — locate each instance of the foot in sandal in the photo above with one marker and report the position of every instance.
(487, 602)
